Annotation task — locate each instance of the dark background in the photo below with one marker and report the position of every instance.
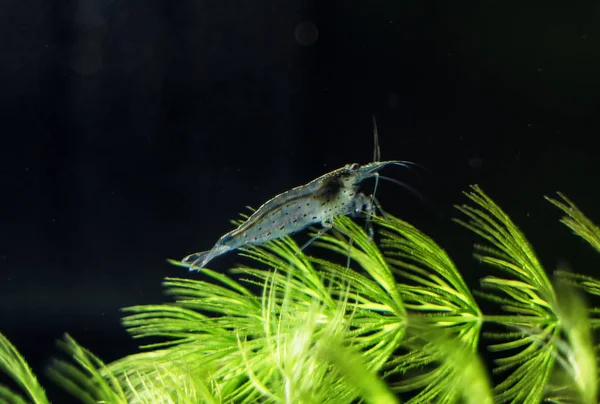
(133, 131)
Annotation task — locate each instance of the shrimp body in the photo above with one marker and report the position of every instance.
(320, 201)
(331, 195)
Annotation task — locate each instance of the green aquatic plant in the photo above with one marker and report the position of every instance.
(14, 366)
(533, 309)
(394, 319)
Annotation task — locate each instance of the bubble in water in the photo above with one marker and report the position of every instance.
(89, 13)
(306, 33)
(475, 162)
(394, 101)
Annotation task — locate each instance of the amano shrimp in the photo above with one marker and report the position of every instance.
(333, 194)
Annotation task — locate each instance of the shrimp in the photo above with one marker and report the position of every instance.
(333, 194)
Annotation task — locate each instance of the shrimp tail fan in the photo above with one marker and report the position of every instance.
(194, 261)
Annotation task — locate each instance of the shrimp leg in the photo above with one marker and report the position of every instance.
(378, 206)
(350, 243)
(364, 204)
(326, 227)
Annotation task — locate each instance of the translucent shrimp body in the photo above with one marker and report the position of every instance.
(331, 195)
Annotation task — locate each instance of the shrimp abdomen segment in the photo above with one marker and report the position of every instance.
(282, 221)
(199, 260)
(294, 215)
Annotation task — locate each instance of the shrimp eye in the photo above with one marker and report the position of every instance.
(354, 166)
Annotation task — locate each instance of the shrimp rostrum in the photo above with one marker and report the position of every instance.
(318, 202)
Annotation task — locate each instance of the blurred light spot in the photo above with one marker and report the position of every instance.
(306, 33)
(87, 58)
(475, 162)
(394, 101)
(88, 13)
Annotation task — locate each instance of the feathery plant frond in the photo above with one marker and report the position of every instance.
(198, 346)
(350, 364)
(582, 361)
(587, 283)
(310, 354)
(587, 230)
(318, 318)
(577, 221)
(461, 375)
(577, 350)
(378, 320)
(84, 378)
(15, 367)
(365, 252)
(282, 347)
(438, 295)
(439, 287)
(531, 298)
(509, 251)
(324, 332)
(91, 381)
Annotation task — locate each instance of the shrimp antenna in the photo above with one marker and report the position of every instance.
(427, 201)
(376, 151)
(410, 166)
(405, 186)
(376, 158)
(376, 148)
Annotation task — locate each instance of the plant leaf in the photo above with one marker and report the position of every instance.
(14, 366)
(577, 221)
(531, 293)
